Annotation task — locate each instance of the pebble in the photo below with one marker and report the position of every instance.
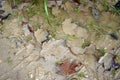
(41, 35)
(114, 35)
(95, 13)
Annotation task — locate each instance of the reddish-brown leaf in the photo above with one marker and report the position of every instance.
(69, 68)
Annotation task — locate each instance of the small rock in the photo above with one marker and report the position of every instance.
(114, 35)
(25, 30)
(95, 13)
(68, 27)
(41, 35)
(4, 16)
(106, 60)
(82, 33)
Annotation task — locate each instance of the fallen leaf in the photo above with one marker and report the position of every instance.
(68, 67)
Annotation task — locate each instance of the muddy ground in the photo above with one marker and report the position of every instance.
(81, 42)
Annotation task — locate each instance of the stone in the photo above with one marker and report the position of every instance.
(72, 29)
(106, 60)
(82, 33)
(25, 30)
(95, 13)
(41, 35)
(108, 43)
(68, 27)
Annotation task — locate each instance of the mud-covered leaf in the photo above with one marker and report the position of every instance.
(68, 67)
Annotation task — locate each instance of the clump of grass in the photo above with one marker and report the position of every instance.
(116, 11)
(93, 27)
(105, 5)
(78, 10)
(86, 43)
(31, 11)
(35, 2)
(101, 52)
(16, 2)
(99, 30)
(81, 74)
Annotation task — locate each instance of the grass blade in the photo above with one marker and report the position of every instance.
(46, 12)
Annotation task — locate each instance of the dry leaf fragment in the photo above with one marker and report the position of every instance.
(68, 67)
